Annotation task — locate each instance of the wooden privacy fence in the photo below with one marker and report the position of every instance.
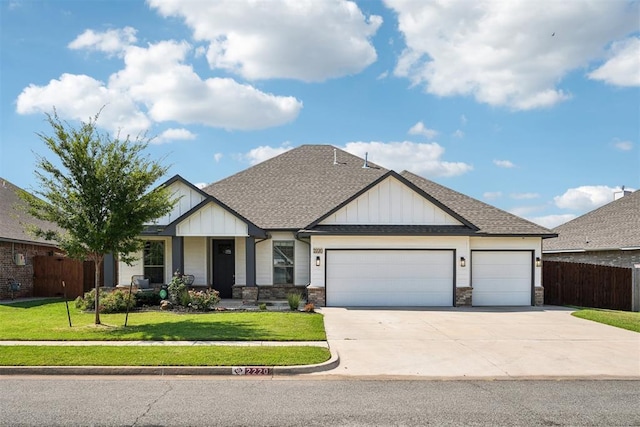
(49, 272)
(587, 285)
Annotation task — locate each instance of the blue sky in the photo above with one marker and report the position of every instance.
(533, 107)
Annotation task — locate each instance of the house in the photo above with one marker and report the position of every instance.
(346, 231)
(17, 247)
(609, 235)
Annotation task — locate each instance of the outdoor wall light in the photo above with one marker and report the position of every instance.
(538, 262)
(463, 262)
(317, 261)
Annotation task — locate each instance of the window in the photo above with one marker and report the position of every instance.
(283, 262)
(153, 259)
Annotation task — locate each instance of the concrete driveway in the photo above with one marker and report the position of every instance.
(528, 342)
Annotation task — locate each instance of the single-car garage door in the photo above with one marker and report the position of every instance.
(381, 278)
(501, 277)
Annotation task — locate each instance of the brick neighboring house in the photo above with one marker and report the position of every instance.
(609, 235)
(17, 247)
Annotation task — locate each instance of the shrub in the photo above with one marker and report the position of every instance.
(293, 298)
(203, 300)
(177, 290)
(310, 308)
(110, 302)
(147, 299)
(263, 306)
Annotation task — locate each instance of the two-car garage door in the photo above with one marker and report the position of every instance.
(390, 277)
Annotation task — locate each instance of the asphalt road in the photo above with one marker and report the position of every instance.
(210, 401)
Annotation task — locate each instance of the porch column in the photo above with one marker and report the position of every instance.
(250, 260)
(177, 254)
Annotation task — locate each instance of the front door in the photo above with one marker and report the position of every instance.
(224, 267)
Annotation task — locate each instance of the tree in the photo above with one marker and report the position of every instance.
(98, 193)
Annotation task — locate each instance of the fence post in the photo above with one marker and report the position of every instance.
(635, 288)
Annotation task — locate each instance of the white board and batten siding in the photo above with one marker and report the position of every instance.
(212, 220)
(241, 261)
(187, 199)
(264, 259)
(390, 202)
(195, 259)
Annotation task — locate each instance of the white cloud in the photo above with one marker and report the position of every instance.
(217, 157)
(80, 97)
(111, 41)
(382, 75)
(200, 185)
(172, 134)
(524, 196)
(623, 145)
(552, 221)
(458, 133)
(265, 152)
(156, 85)
(504, 164)
(492, 195)
(502, 52)
(304, 40)
(421, 158)
(585, 198)
(463, 120)
(420, 129)
(623, 66)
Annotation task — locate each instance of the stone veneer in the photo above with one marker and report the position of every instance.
(463, 296)
(316, 295)
(539, 296)
(250, 294)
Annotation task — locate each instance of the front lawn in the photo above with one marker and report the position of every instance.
(621, 319)
(47, 320)
(161, 356)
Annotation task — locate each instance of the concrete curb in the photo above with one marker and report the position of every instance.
(332, 363)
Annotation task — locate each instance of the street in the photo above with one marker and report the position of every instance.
(292, 401)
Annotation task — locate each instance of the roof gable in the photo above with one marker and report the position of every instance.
(13, 219)
(290, 191)
(389, 201)
(615, 225)
(488, 219)
(188, 196)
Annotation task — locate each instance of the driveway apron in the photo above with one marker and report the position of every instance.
(522, 342)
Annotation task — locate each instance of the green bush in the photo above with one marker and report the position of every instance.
(147, 299)
(293, 298)
(177, 290)
(203, 300)
(110, 302)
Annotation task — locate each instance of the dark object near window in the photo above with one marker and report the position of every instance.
(283, 257)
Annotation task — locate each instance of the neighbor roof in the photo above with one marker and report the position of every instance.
(13, 219)
(488, 219)
(615, 225)
(294, 189)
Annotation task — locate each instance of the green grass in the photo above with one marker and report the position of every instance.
(47, 320)
(621, 319)
(161, 356)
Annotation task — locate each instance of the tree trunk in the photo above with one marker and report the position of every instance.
(98, 260)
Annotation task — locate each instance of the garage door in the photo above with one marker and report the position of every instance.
(501, 277)
(389, 278)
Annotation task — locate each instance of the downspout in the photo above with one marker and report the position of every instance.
(310, 259)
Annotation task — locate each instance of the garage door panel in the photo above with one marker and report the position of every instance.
(501, 278)
(389, 278)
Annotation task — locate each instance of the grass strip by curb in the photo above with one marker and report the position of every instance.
(621, 319)
(161, 356)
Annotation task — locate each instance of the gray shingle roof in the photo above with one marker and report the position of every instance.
(612, 226)
(292, 190)
(12, 220)
(488, 219)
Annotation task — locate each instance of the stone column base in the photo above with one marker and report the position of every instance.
(463, 296)
(316, 295)
(250, 294)
(539, 296)
(236, 291)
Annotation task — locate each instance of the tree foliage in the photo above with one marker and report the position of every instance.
(97, 191)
